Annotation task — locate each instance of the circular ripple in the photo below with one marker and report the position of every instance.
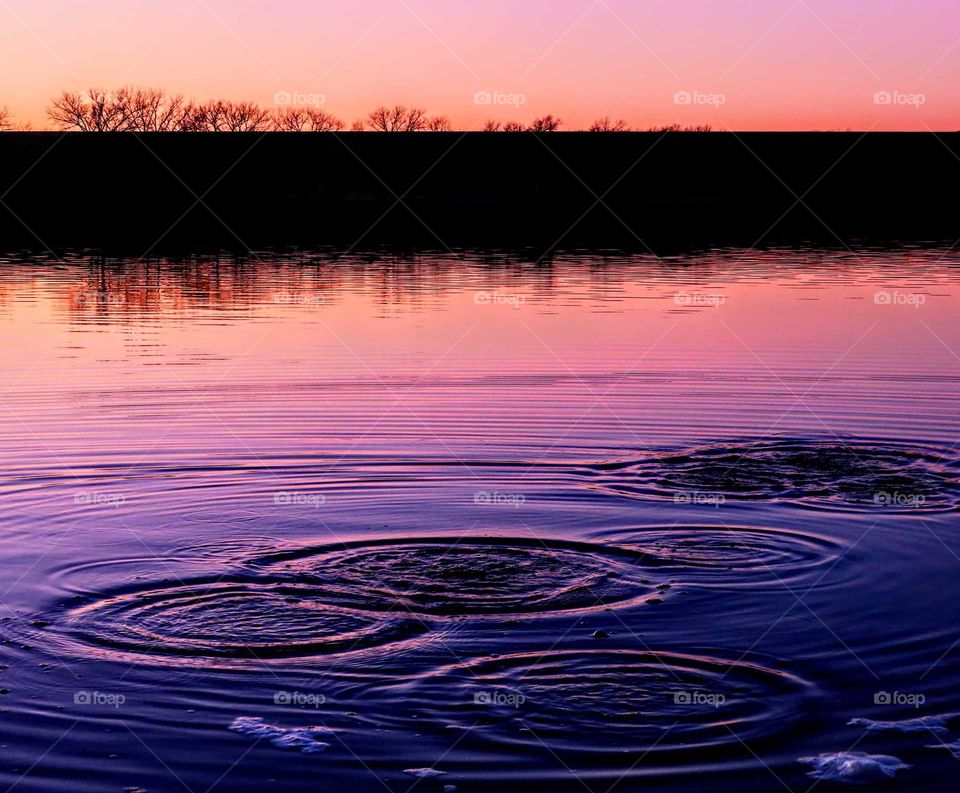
(734, 556)
(444, 577)
(229, 620)
(853, 475)
(610, 702)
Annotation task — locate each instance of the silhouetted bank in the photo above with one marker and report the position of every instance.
(449, 189)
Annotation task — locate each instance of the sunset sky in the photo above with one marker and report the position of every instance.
(742, 64)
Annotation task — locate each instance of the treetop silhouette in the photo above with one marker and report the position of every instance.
(151, 110)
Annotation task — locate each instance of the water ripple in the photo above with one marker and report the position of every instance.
(473, 576)
(833, 474)
(607, 702)
(229, 619)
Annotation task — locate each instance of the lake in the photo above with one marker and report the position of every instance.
(367, 520)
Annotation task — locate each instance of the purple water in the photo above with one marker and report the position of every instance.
(336, 521)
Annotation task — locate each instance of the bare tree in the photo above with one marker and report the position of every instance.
(681, 128)
(306, 119)
(606, 125)
(415, 120)
(292, 119)
(210, 117)
(358, 126)
(105, 112)
(193, 118)
(398, 118)
(439, 124)
(225, 116)
(150, 110)
(7, 124)
(321, 121)
(514, 126)
(547, 123)
(492, 126)
(245, 117)
(125, 110)
(95, 111)
(379, 119)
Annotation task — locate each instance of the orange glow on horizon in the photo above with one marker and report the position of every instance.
(738, 64)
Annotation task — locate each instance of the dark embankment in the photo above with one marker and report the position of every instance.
(449, 189)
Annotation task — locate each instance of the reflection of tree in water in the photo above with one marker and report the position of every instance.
(91, 288)
(7, 293)
(124, 288)
(97, 286)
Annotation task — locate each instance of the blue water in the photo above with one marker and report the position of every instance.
(377, 521)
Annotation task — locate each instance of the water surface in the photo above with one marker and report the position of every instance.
(344, 520)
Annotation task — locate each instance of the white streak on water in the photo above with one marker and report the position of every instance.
(303, 739)
(854, 767)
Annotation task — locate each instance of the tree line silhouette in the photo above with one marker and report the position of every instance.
(152, 110)
(7, 124)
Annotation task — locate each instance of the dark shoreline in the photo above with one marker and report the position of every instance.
(139, 193)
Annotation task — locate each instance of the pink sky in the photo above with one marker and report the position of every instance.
(743, 64)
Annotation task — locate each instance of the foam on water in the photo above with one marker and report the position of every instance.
(300, 739)
(856, 768)
(936, 724)
(424, 773)
(953, 747)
